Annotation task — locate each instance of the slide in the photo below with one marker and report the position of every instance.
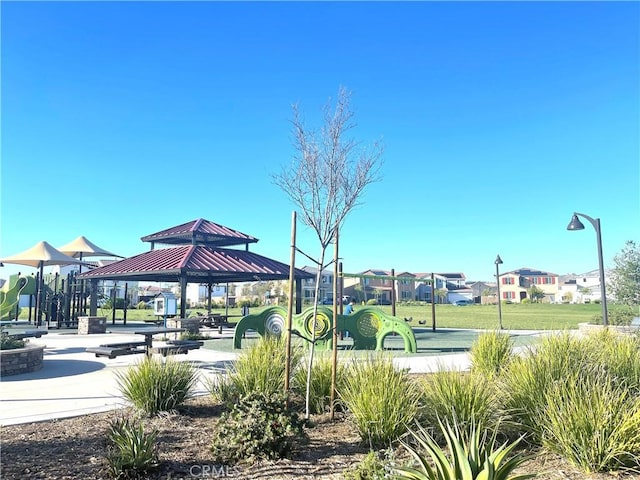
(10, 295)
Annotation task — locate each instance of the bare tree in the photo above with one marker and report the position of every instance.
(326, 178)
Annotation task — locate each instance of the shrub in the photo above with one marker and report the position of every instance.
(142, 306)
(258, 426)
(193, 336)
(490, 353)
(467, 399)
(382, 399)
(320, 389)
(259, 369)
(373, 466)
(153, 386)
(10, 343)
(132, 451)
(594, 423)
(473, 457)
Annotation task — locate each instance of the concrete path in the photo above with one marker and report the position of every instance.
(73, 382)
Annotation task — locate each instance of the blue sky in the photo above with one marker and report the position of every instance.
(499, 120)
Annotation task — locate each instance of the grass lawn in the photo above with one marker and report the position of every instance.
(514, 316)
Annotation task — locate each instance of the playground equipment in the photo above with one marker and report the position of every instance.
(368, 327)
(10, 295)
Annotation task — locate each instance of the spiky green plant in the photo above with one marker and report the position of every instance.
(471, 457)
(131, 451)
(320, 388)
(382, 399)
(525, 382)
(260, 369)
(593, 422)
(155, 386)
(467, 398)
(490, 353)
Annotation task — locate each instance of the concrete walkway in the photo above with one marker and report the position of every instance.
(73, 382)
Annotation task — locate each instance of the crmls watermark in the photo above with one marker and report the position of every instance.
(213, 471)
(209, 471)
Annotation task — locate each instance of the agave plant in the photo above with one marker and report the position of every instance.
(473, 456)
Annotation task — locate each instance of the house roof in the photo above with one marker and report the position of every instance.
(452, 276)
(196, 263)
(200, 232)
(530, 272)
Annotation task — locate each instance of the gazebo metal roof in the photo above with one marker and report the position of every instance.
(200, 232)
(196, 263)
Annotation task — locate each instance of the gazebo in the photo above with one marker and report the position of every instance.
(198, 253)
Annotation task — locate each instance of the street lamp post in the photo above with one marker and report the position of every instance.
(576, 224)
(499, 262)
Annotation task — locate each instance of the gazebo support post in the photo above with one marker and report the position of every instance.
(183, 295)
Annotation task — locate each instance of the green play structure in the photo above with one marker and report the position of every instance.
(10, 295)
(368, 327)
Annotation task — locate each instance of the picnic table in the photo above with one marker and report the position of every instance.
(113, 350)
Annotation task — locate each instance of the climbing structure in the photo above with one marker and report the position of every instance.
(368, 327)
(10, 295)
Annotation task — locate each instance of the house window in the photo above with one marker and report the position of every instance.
(406, 295)
(508, 281)
(508, 295)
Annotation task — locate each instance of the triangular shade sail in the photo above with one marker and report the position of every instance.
(41, 254)
(82, 247)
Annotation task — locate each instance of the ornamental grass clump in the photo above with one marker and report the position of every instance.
(593, 422)
(155, 386)
(259, 369)
(471, 455)
(131, 452)
(320, 388)
(382, 399)
(618, 355)
(466, 398)
(490, 353)
(524, 383)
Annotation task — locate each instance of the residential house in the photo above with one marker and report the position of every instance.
(483, 292)
(405, 287)
(325, 292)
(515, 285)
(370, 284)
(423, 289)
(456, 287)
(582, 288)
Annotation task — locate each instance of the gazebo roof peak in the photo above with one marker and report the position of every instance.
(200, 232)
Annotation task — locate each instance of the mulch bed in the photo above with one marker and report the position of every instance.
(75, 448)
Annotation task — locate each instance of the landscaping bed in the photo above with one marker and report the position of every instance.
(74, 448)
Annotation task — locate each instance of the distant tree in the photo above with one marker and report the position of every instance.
(441, 294)
(535, 294)
(359, 290)
(326, 179)
(625, 276)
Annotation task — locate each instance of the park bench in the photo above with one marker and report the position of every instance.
(175, 347)
(113, 350)
(27, 334)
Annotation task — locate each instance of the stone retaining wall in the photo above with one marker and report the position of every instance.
(21, 360)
